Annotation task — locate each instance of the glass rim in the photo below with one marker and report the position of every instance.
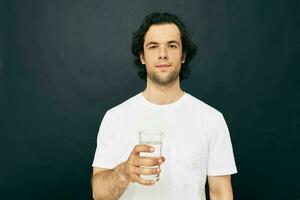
(151, 132)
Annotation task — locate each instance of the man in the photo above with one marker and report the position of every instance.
(196, 141)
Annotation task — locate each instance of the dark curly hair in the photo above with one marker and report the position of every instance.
(188, 46)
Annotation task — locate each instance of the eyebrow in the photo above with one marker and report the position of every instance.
(173, 41)
(155, 43)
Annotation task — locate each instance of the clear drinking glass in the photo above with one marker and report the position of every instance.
(154, 139)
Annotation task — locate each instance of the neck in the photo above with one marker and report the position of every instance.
(163, 94)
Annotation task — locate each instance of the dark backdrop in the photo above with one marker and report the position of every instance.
(64, 63)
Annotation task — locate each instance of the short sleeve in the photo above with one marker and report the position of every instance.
(220, 156)
(106, 143)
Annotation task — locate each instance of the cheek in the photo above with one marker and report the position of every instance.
(149, 58)
(177, 57)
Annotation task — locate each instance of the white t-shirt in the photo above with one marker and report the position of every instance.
(196, 144)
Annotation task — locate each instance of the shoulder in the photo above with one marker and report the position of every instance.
(123, 107)
(201, 108)
(211, 120)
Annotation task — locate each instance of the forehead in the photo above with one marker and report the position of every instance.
(162, 33)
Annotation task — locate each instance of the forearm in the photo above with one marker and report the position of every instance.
(109, 185)
(220, 187)
(221, 195)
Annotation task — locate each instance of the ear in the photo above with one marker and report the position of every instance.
(183, 58)
(142, 58)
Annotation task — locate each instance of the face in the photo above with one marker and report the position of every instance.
(163, 54)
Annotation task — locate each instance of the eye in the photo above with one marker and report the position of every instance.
(153, 47)
(172, 46)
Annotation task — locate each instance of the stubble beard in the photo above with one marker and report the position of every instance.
(163, 81)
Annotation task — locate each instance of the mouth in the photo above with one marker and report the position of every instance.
(163, 66)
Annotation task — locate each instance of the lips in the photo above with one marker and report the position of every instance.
(163, 65)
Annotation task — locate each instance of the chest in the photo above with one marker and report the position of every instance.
(181, 134)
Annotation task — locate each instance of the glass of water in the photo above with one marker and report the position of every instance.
(154, 139)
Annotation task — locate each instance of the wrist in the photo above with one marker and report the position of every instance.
(122, 173)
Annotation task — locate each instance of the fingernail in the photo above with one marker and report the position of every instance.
(151, 149)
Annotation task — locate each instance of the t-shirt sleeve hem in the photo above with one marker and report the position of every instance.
(221, 172)
(105, 165)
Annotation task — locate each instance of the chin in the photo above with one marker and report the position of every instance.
(165, 81)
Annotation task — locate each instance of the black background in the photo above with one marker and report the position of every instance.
(64, 63)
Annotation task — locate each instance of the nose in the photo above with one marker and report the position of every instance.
(163, 55)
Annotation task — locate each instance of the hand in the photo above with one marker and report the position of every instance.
(133, 168)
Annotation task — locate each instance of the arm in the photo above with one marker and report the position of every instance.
(109, 184)
(220, 187)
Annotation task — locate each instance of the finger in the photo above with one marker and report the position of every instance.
(143, 181)
(148, 171)
(162, 160)
(147, 161)
(142, 148)
(145, 171)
